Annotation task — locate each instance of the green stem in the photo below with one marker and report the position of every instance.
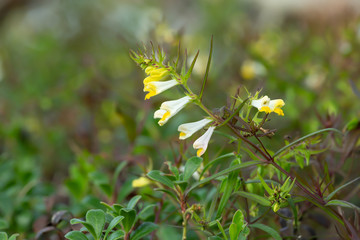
(184, 226)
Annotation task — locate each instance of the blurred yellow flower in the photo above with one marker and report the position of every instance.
(250, 69)
(140, 182)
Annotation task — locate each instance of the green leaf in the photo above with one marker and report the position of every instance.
(339, 188)
(221, 229)
(267, 188)
(256, 198)
(3, 236)
(14, 236)
(75, 235)
(342, 203)
(156, 175)
(116, 235)
(143, 213)
(237, 225)
(229, 187)
(113, 224)
(3, 224)
(87, 225)
(96, 218)
(133, 201)
(191, 66)
(305, 137)
(216, 160)
(171, 194)
(129, 220)
(215, 238)
(191, 166)
(143, 230)
(224, 172)
(207, 69)
(267, 229)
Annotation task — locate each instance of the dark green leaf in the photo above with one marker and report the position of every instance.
(216, 160)
(157, 175)
(116, 235)
(339, 188)
(254, 197)
(224, 172)
(143, 230)
(75, 235)
(267, 229)
(191, 166)
(87, 225)
(129, 220)
(342, 203)
(229, 187)
(133, 201)
(113, 224)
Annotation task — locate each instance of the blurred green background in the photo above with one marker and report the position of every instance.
(72, 102)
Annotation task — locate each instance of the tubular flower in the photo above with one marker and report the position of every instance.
(266, 105)
(140, 182)
(170, 108)
(188, 129)
(156, 74)
(202, 142)
(156, 87)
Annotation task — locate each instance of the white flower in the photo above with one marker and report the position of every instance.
(202, 142)
(266, 105)
(156, 87)
(170, 108)
(188, 129)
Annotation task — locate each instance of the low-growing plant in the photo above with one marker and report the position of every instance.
(251, 191)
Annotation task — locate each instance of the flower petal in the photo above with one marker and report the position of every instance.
(202, 142)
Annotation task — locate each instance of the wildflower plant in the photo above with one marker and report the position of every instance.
(238, 189)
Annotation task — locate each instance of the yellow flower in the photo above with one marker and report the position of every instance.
(156, 74)
(202, 142)
(188, 129)
(250, 69)
(156, 87)
(140, 182)
(266, 105)
(170, 108)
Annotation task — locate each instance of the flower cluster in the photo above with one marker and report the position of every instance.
(158, 81)
(266, 105)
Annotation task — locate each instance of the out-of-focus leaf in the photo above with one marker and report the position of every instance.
(267, 229)
(75, 235)
(224, 172)
(342, 203)
(339, 188)
(229, 187)
(133, 201)
(254, 197)
(191, 166)
(143, 230)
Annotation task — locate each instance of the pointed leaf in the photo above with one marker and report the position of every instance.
(113, 224)
(229, 187)
(87, 225)
(339, 188)
(342, 203)
(116, 235)
(157, 175)
(143, 230)
(256, 198)
(133, 201)
(224, 172)
(14, 236)
(191, 166)
(267, 229)
(75, 235)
